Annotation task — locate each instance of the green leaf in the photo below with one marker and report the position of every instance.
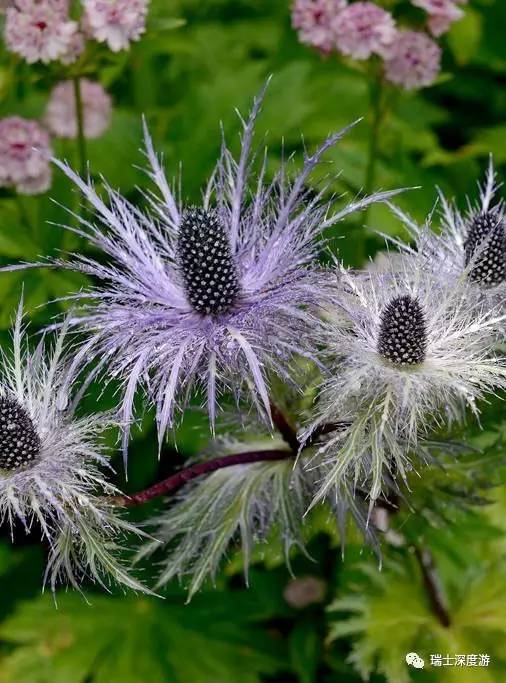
(305, 650)
(390, 615)
(465, 36)
(138, 640)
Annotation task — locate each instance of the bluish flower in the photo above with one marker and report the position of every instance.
(212, 297)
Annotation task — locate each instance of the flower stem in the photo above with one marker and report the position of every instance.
(23, 214)
(287, 431)
(432, 585)
(81, 140)
(376, 108)
(176, 481)
(376, 117)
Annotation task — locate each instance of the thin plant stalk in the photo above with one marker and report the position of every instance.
(376, 119)
(81, 140)
(377, 114)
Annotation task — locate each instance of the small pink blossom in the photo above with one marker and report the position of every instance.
(75, 49)
(61, 111)
(415, 60)
(313, 21)
(39, 30)
(24, 155)
(442, 13)
(363, 29)
(115, 22)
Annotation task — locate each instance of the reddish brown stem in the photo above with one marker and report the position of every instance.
(433, 586)
(288, 433)
(178, 480)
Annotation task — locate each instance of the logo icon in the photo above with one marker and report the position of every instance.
(414, 660)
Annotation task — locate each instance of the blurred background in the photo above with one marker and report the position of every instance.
(334, 617)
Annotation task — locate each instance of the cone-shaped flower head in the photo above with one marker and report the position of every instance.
(207, 267)
(410, 351)
(215, 296)
(51, 464)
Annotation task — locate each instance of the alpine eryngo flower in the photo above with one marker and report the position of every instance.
(115, 22)
(442, 13)
(313, 21)
(50, 467)
(471, 244)
(24, 155)
(363, 29)
(39, 30)
(214, 296)
(414, 61)
(61, 116)
(412, 351)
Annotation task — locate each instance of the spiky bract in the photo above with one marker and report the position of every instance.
(151, 319)
(471, 245)
(244, 505)
(51, 474)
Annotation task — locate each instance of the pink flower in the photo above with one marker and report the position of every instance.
(75, 49)
(363, 29)
(39, 30)
(115, 22)
(24, 155)
(313, 21)
(415, 60)
(442, 13)
(61, 111)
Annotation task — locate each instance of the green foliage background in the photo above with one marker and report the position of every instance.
(198, 61)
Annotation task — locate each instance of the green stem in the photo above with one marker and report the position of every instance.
(24, 215)
(376, 117)
(376, 109)
(81, 140)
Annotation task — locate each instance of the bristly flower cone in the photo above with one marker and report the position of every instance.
(485, 249)
(206, 262)
(19, 441)
(402, 336)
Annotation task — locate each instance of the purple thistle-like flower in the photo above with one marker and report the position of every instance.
(213, 297)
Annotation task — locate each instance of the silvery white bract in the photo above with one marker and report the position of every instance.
(408, 352)
(208, 297)
(50, 468)
(470, 245)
